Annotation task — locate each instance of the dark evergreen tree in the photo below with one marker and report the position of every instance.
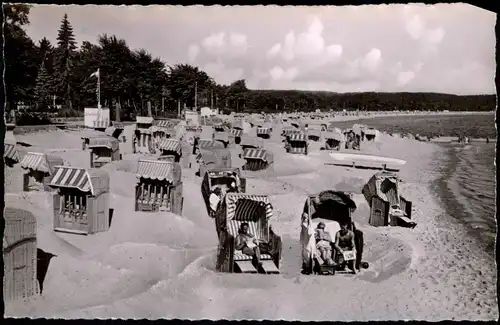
(66, 46)
(42, 90)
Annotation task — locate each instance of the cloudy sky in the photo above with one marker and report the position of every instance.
(442, 48)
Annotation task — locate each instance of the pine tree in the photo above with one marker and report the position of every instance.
(42, 89)
(66, 46)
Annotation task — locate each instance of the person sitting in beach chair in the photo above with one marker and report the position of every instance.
(214, 200)
(324, 243)
(250, 245)
(344, 243)
(232, 188)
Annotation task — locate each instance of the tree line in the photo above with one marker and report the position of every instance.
(44, 78)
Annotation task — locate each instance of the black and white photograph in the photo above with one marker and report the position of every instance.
(297, 163)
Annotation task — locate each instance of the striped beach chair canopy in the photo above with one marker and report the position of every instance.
(104, 142)
(203, 144)
(41, 162)
(297, 137)
(256, 210)
(173, 145)
(161, 170)
(94, 180)
(259, 154)
(118, 125)
(10, 152)
(236, 132)
(263, 130)
(245, 207)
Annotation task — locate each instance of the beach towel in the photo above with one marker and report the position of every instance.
(307, 241)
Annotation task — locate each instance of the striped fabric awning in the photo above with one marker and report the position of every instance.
(10, 152)
(297, 137)
(36, 161)
(236, 132)
(263, 131)
(101, 124)
(170, 145)
(119, 125)
(162, 123)
(209, 144)
(100, 142)
(158, 170)
(251, 153)
(72, 177)
(244, 207)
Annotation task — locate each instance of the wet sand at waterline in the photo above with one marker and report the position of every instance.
(161, 265)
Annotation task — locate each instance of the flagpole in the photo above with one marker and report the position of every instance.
(98, 88)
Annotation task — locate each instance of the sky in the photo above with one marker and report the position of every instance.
(447, 48)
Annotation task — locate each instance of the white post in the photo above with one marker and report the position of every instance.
(98, 88)
(196, 96)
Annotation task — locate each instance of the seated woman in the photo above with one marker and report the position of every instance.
(344, 241)
(323, 243)
(250, 245)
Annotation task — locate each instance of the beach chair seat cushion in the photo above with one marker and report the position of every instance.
(239, 256)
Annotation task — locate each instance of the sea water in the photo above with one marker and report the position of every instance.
(466, 186)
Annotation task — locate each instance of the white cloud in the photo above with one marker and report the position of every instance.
(214, 43)
(274, 50)
(223, 74)
(307, 46)
(405, 77)
(218, 44)
(193, 51)
(278, 73)
(372, 59)
(415, 26)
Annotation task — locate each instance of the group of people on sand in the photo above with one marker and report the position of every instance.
(343, 243)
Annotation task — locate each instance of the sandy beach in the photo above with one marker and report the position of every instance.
(163, 265)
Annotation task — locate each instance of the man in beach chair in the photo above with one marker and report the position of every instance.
(344, 242)
(214, 200)
(251, 246)
(324, 243)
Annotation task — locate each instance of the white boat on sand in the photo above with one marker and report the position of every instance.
(365, 161)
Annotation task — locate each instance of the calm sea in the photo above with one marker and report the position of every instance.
(467, 185)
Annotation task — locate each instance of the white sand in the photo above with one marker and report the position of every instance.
(162, 265)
